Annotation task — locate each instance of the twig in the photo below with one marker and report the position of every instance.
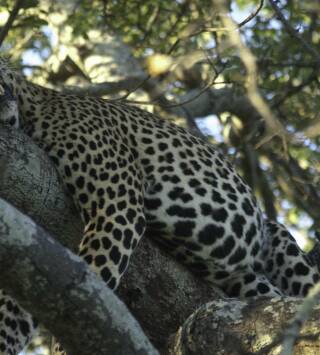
(138, 86)
(294, 33)
(13, 14)
(205, 88)
(192, 125)
(252, 15)
(176, 104)
(166, 103)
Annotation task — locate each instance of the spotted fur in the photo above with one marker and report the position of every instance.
(133, 174)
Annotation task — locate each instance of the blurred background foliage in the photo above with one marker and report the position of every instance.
(174, 58)
(167, 52)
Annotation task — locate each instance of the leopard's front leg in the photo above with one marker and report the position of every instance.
(16, 326)
(115, 222)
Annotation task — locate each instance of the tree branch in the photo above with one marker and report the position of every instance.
(252, 15)
(303, 313)
(29, 181)
(41, 274)
(107, 88)
(13, 14)
(273, 125)
(238, 327)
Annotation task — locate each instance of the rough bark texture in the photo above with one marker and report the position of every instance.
(41, 274)
(30, 182)
(253, 326)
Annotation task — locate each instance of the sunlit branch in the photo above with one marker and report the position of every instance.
(274, 127)
(13, 14)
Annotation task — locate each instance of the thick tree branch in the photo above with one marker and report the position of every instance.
(161, 293)
(29, 181)
(13, 14)
(251, 327)
(41, 274)
(107, 88)
(302, 315)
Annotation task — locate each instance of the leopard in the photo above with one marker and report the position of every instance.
(133, 174)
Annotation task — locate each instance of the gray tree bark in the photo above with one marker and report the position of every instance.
(41, 274)
(247, 327)
(30, 182)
